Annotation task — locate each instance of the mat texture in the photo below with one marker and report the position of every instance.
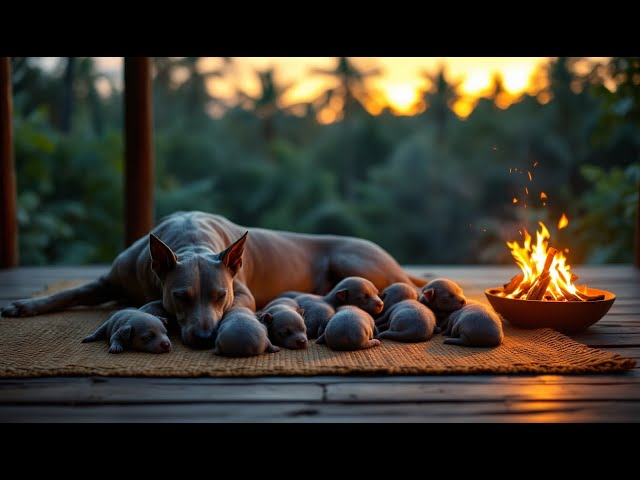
(50, 345)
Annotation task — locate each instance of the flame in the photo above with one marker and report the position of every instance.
(563, 222)
(515, 200)
(543, 195)
(531, 259)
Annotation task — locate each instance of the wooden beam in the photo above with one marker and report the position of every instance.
(139, 153)
(8, 202)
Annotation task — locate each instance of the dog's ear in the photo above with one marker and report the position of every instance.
(164, 320)
(342, 294)
(267, 318)
(301, 312)
(232, 256)
(163, 260)
(125, 334)
(429, 295)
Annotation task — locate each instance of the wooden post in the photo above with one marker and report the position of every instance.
(8, 202)
(139, 157)
(637, 246)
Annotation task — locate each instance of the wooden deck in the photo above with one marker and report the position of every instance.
(521, 398)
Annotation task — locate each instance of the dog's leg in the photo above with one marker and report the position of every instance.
(242, 296)
(93, 293)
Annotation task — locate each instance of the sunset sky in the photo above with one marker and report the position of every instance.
(399, 84)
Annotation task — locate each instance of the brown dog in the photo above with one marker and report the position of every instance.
(200, 265)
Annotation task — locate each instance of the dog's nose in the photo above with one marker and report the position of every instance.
(301, 343)
(165, 345)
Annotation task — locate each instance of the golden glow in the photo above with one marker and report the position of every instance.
(397, 87)
(402, 98)
(543, 195)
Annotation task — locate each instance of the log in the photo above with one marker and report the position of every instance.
(568, 295)
(510, 287)
(590, 298)
(540, 287)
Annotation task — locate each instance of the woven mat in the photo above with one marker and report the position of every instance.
(50, 345)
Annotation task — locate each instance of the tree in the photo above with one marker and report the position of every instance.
(439, 96)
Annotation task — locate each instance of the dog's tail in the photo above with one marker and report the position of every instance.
(417, 281)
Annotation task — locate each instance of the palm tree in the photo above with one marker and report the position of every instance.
(439, 96)
(267, 104)
(351, 88)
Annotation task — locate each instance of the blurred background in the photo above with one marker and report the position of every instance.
(438, 160)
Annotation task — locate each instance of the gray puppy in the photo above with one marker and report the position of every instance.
(408, 321)
(291, 302)
(133, 329)
(474, 325)
(356, 291)
(351, 328)
(442, 296)
(395, 293)
(241, 334)
(285, 326)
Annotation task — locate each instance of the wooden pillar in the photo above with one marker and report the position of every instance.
(8, 203)
(139, 156)
(637, 246)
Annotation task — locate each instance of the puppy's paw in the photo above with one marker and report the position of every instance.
(115, 348)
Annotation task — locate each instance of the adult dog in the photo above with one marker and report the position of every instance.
(195, 266)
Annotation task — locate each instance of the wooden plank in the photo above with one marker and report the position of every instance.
(398, 392)
(139, 154)
(154, 392)
(314, 412)
(8, 199)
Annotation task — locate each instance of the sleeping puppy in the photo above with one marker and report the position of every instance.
(240, 334)
(442, 296)
(351, 328)
(474, 325)
(285, 326)
(408, 321)
(133, 329)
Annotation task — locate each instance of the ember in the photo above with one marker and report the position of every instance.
(545, 274)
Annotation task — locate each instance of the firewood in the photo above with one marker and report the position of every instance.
(524, 288)
(589, 298)
(513, 284)
(551, 253)
(568, 295)
(540, 287)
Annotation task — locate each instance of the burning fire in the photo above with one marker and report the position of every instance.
(545, 273)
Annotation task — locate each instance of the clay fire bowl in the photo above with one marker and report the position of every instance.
(566, 317)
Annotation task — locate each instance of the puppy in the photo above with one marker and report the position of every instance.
(394, 293)
(442, 296)
(351, 328)
(133, 329)
(291, 302)
(408, 321)
(356, 291)
(474, 325)
(285, 326)
(241, 334)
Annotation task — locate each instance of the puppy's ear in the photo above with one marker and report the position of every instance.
(301, 312)
(429, 295)
(164, 320)
(342, 295)
(231, 257)
(125, 334)
(267, 318)
(163, 260)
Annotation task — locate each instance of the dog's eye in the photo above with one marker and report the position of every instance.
(147, 338)
(182, 295)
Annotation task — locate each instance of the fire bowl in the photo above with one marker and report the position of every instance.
(566, 317)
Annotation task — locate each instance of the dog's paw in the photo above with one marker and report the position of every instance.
(19, 308)
(115, 348)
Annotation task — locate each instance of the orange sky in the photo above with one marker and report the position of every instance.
(399, 83)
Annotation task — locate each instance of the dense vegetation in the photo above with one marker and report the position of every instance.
(430, 188)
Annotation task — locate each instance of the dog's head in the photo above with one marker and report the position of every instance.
(442, 295)
(197, 287)
(360, 292)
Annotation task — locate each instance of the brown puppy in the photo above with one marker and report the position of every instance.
(133, 329)
(351, 328)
